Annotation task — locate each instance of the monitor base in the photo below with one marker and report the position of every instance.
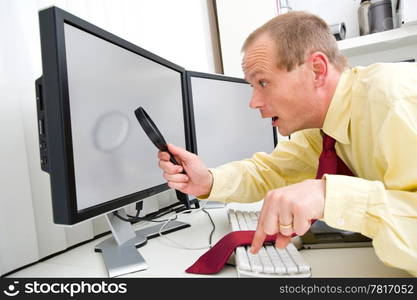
(119, 252)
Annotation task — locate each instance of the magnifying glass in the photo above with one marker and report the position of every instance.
(153, 132)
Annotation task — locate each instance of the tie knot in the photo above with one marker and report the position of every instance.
(328, 142)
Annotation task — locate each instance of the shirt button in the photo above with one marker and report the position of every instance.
(340, 222)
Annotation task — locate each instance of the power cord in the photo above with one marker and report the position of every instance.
(212, 229)
(179, 245)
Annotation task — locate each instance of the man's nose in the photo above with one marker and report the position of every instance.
(255, 101)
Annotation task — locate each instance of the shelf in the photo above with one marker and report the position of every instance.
(395, 38)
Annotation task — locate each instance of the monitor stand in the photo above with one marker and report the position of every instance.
(119, 252)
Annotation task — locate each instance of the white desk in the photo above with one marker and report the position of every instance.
(168, 261)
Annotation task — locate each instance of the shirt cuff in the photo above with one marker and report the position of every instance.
(346, 204)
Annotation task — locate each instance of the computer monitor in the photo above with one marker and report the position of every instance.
(224, 127)
(98, 157)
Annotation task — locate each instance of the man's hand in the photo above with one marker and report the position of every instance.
(197, 180)
(288, 211)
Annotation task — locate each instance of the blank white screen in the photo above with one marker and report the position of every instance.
(227, 129)
(112, 155)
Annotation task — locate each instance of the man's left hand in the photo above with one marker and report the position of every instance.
(289, 210)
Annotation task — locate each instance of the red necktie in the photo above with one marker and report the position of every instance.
(214, 259)
(329, 162)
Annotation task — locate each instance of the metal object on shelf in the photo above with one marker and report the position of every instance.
(380, 16)
(363, 17)
(283, 7)
(338, 30)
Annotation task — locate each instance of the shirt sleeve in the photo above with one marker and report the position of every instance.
(250, 179)
(385, 211)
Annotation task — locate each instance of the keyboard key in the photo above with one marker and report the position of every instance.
(241, 220)
(252, 221)
(303, 267)
(242, 259)
(255, 262)
(234, 222)
(276, 260)
(287, 260)
(266, 262)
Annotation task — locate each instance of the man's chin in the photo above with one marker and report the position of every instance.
(282, 131)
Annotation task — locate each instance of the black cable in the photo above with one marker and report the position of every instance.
(133, 219)
(164, 211)
(151, 216)
(139, 207)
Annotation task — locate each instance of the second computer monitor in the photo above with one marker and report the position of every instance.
(225, 127)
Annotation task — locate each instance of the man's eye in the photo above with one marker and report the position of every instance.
(262, 83)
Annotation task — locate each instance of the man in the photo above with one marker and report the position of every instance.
(302, 82)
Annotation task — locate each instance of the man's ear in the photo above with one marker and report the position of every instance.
(319, 64)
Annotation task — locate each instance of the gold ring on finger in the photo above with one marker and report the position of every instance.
(285, 226)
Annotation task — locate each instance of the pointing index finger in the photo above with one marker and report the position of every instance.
(258, 240)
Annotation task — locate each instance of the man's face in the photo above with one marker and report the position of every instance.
(286, 97)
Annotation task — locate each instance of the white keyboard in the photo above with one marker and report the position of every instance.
(269, 261)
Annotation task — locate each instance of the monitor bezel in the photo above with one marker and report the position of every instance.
(189, 75)
(57, 119)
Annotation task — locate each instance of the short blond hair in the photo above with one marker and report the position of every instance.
(297, 34)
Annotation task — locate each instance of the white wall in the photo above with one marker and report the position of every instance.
(175, 30)
(237, 19)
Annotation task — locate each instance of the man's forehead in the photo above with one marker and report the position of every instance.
(257, 59)
(253, 74)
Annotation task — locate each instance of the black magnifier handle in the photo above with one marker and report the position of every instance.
(153, 133)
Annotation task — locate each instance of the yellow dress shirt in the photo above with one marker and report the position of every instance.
(373, 117)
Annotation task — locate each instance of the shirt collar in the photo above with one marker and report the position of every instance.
(336, 123)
